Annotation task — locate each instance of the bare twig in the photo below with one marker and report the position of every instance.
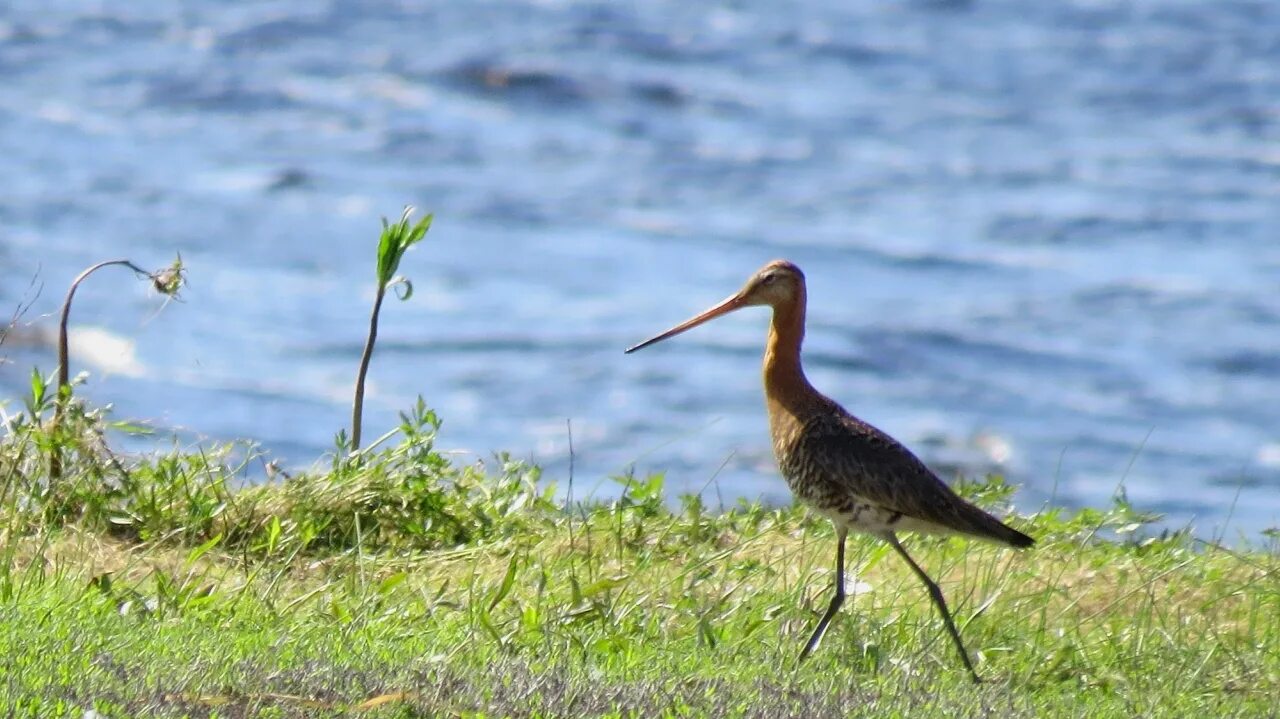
(29, 297)
(64, 365)
(167, 281)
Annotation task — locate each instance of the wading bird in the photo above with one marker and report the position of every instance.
(862, 479)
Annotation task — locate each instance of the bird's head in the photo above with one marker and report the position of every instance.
(776, 284)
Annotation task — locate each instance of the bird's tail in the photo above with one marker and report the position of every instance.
(986, 526)
(1013, 537)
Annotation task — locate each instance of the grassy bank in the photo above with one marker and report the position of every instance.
(398, 583)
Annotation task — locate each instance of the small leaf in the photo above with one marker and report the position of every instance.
(273, 534)
(340, 611)
(418, 232)
(603, 585)
(436, 600)
(130, 427)
(706, 633)
(487, 624)
(38, 387)
(575, 590)
(386, 250)
(391, 582)
(201, 550)
(507, 582)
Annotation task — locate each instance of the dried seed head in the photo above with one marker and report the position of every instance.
(171, 279)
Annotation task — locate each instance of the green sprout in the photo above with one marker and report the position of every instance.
(396, 239)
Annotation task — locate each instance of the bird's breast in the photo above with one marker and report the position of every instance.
(785, 429)
(803, 475)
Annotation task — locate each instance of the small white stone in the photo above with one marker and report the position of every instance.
(856, 587)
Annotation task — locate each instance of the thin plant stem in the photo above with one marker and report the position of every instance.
(64, 365)
(64, 360)
(357, 408)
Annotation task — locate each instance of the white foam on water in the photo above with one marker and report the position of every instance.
(104, 351)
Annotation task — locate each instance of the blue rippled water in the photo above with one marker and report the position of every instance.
(1041, 238)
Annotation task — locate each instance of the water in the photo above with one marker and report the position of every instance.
(1041, 238)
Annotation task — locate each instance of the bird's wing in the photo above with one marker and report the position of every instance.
(859, 459)
(874, 466)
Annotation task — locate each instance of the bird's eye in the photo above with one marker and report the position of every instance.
(768, 279)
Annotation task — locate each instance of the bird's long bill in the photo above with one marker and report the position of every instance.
(735, 302)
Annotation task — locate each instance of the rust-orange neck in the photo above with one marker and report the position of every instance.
(783, 374)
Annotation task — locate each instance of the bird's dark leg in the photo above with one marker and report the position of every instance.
(836, 600)
(936, 595)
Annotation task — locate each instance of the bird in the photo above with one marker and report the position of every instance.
(847, 470)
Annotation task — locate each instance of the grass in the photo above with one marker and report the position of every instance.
(394, 582)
